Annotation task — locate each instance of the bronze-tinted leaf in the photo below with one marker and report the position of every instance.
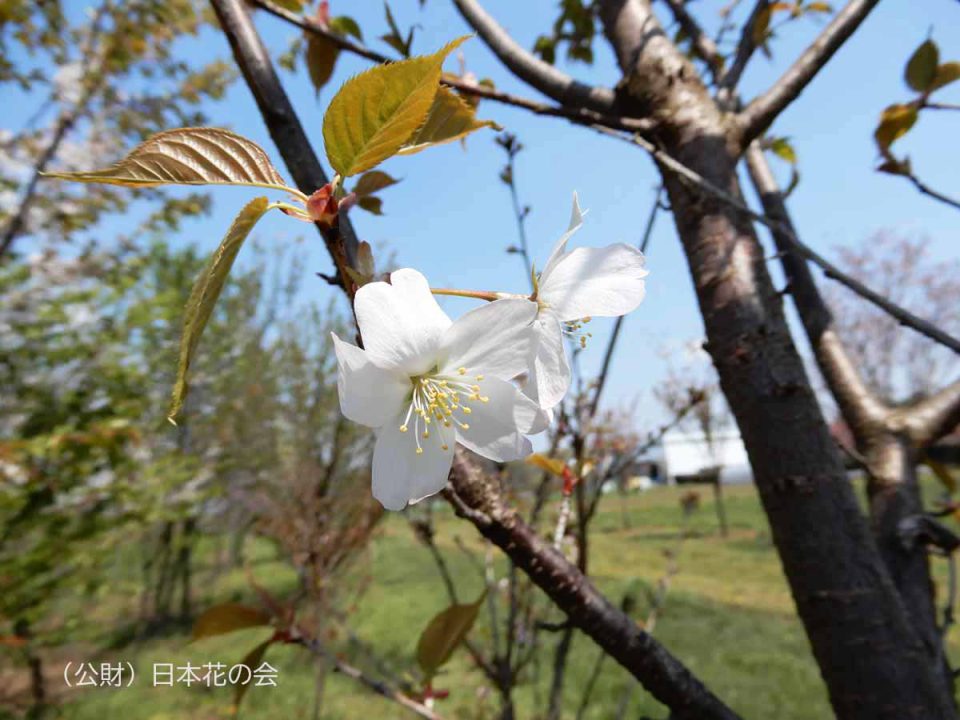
(252, 660)
(226, 618)
(321, 56)
(921, 68)
(947, 73)
(556, 466)
(895, 121)
(189, 156)
(376, 112)
(372, 182)
(205, 292)
(444, 633)
(450, 118)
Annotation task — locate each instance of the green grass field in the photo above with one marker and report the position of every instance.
(728, 615)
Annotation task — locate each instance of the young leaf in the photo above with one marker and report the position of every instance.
(372, 204)
(377, 111)
(554, 466)
(450, 118)
(252, 660)
(228, 617)
(321, 56)
(372, 182)
(205, 292)
(895, 121)
(346, 25)
(782, 148)
(189, 156)
(946, 74)
(922, 66)
(444, 633)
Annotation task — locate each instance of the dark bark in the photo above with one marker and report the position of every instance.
(475, 497)
(560, 656)
(872, 660)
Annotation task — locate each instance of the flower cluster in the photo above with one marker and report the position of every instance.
(488, 379)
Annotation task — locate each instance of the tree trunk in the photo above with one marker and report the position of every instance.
(871, 659)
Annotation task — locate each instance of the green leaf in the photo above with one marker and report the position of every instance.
(321, 56)
(252, 660)
(226, 618)
(205, 292)
(895, 121)
(376, 112)
(946, 74)
(782, 148)
(921, 68)
(450, 118)
(189, 156)
(444, 633)
(291, 5)
(346, 25)
(372, 182)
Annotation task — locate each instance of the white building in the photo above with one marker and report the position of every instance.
(688, 453)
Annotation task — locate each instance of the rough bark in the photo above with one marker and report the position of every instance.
(872, 660)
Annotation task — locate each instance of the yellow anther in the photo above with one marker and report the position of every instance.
(462, 371)
(426, 433)
(484, 399)
(466, 410)
(465, 426)
(419, 451)
(587, 319)
(445, 446)
(403, 428)
(479, 378)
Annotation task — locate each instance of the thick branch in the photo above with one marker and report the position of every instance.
(761, 111)
(535, 72)
(703, 45)
(282, 121)
(475, 497)
(858, 404)
(933, 417)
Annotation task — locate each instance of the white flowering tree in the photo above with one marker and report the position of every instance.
(439, 392)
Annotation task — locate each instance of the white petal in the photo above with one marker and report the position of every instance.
(400, 475)
(401, 323)
(494, 340)
(368, 394)
(497, 426)
(550, 376)
(576, 221)
(603, 282)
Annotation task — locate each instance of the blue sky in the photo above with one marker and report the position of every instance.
(450, 217)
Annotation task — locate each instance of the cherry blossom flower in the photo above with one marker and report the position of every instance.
(574, 287)
(425, 383)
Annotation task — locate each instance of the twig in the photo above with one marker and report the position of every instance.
(704, 47)
(762, 110)
(573, 113)
(745, 49)
(379, 687)
(930, 192)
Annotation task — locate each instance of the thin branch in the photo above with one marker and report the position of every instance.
(930, 192)
(745, 49)
(762, 111)
(576, 115)
(535, 72)
(905, 317)
(379, 687)
(703, 45)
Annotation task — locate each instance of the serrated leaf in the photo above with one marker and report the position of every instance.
(372, 182)
(189, 156)
(544, 462)
(252, 660)
(444, 633)
(782, 148)
(378, 111)
(895, 121)
(205, 292)
(450, 118)
(321, 56)
(947, 73)
(371, 203)
(226, 618)
(922, 66)
(346, 25)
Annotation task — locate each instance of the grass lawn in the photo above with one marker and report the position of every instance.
(728, 615)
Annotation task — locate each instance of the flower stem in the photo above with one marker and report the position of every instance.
(478, 294)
